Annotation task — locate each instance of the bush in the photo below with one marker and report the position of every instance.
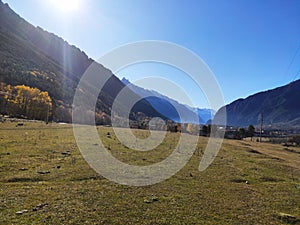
(295, 139)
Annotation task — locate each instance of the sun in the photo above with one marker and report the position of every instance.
(66, 5)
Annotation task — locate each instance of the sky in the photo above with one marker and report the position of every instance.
(250, 46)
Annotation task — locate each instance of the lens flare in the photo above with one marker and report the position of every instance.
(66, 5)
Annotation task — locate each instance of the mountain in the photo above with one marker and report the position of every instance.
(34, 57)
(205, 114)
(279, 107)
(167, 106)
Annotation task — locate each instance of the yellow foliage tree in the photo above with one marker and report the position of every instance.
(24, 101)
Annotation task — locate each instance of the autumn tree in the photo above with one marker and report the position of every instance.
(3, 101)
(24, 101)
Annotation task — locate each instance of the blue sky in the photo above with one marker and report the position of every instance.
(250, 46)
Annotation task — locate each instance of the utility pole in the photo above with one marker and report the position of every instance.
(261, 125)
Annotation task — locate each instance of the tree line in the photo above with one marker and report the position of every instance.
(239, 133)
(25, 102)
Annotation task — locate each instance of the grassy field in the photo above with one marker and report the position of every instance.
(43, 173)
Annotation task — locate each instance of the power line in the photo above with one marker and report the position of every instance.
(293, 59)
(296, 75)
(292, 62)
(294, 78)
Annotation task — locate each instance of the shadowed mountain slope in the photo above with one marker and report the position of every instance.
(32, 56)
(169, 107)
(279, 107)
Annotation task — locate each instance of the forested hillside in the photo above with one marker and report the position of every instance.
(277, 107)
(36, 58)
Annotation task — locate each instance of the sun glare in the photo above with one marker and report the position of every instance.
(66, 5)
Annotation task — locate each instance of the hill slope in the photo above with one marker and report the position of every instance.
(34, 57)
(279, 107)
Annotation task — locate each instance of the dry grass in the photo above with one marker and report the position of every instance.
(248, 183)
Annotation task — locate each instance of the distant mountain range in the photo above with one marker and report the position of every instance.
(32, 56)
(279, 107)
(169, 107)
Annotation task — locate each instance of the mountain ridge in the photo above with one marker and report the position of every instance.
(167, 106)
(37, 58)
(277, 107)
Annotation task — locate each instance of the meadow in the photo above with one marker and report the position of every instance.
(45, 180)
